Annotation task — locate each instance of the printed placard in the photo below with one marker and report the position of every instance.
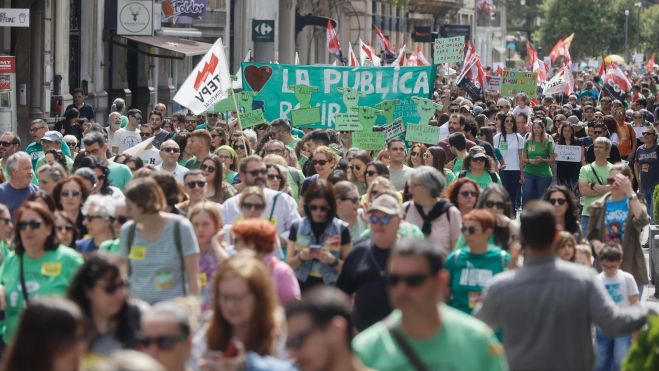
(305, 116)
(449, 49)
(515, 82)
(422, 134)
(568, 153)
(368, 140)
(347, 122)
(494, 85)
(393, 130)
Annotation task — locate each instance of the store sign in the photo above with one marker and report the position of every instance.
(263, 30)
(10, 17)
(134, 17)
(183, 11)
(7, 64)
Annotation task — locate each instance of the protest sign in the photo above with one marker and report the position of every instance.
(393, 130)
(422, 134)
(449, 50)
(306, 116)
(252, 118)
(494, 85)
(371, 85)
(568, 153)
(426, 109)
(368, 140)
(347, 121)
(515, 82)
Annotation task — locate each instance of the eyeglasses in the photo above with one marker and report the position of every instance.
(370, 173)
(32, 224)
(92, 217)
(323, 208)
(384, 220)
(170, 150)
(414, 154)
(648, 133)
(355, 167)
(165, 342)
(7, 144)
(251, 206)
(410, 280)
(274, 177)
(354, 200)
(492, 204)
(210, 169)
(557, 201)
(111, 289)
(64, 228)
(32, 130)
(121, 219)
(195, 184)
(225, 158)
(257, 172)
(469, 193)
(145, 135)
(468, 230)
(455, 110)
(295, 342)
(276, 151)
(320, 162)
(71, 194)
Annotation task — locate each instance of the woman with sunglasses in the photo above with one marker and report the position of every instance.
(318, 243)
(324, 161)
(229, 159)
(218, 138)
(506, 235)
(463, 193)
(98, 214)
(471, 268)
(65, 228)
(537, 157)
(415, 157)
(100, 288)
(348, 209)
(69, 195)
(357, 165)
(241, 146)
(565, 209)
(161, 248)
(619, 217)
(40, 266)
(217, 190)
(101, 170)
(510, 143)
(373, 170)
(277, 178)
(207, 222)
(436, 157)
(72, 143)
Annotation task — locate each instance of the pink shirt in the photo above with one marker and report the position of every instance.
(283, 276)
(442, 232)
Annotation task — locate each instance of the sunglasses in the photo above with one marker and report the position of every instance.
(384, 220)
(111, 289)
(410, 280)
(210, 169)
(355, 167)
(354, 200)
(7, 144)
(322, 208)
(274, 177)
(170, 150)
(64, 228)
(32, 224)
(478, 159)
(71, 144)
(166, 342)
(469, 193)
(492, 204)
(454, 110)
(70, 193)
(257, 172)
(414, 154)
(468, 230)
(371, 173)
(647, 133)
(195, 184)
(320, 162)
(121, 219)
(557, 201)
(213, 115)
(251, 206)
(239, 147)
(145, 135)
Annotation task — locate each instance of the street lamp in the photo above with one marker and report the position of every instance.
(626, 28)
(638, 25)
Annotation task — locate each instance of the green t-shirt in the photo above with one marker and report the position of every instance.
(535, 149)
(450, 176)
(457, 165)
(119, 174)
(35, 150)
(293, 143)
(42, 161)
(470, 273)
(110, 246)
(193, 163)
(462, 343)
(51, 274)
(4, 251)
(484, 179)
(404, 230)
(586, 174)
(230, 176)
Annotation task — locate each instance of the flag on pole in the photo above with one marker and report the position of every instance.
(401, 59)
(333, 44)
(209, 82)
(472, 76)
(413, 60)
(352, 58)
(562, 49)
(367, 56)
(616, 84)
(421, 59)
(649, 67)
(532, 53)
(384, 43)
(297, 58)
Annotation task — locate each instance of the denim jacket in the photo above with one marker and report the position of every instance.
(330, 239)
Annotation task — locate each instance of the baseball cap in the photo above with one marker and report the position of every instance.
(477, 151)
(477, 110)
(52, 136)
(573, 120)
(388, 204)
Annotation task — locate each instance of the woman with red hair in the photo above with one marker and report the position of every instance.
(260, 236)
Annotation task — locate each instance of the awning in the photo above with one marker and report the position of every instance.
(181, 47)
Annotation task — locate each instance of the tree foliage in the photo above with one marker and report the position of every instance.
(650, 31)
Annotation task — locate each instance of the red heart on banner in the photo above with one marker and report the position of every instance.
(256, 77)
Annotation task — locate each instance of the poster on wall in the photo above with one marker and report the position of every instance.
(182, 11)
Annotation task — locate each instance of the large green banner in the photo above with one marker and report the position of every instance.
(318, 95)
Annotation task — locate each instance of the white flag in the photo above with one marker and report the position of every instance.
(297, 58)
(556, 85)
(209, 82)
(238, 82)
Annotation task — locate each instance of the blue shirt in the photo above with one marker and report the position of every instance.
(13, 198)
(85, 111)
(614, 219)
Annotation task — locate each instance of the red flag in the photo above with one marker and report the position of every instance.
(562, 49)
(352, 58)
(556, 50)
(532, 53)
(542, 69)
(367, 55)
(384, 43)
(401, 60)
(499, 70)
(333, 44)
(650, 66)
(421, 59)
(616, 83)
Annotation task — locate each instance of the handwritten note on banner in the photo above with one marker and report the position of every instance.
(422, 134)
(252, 118)
(347, 122)
(368, 140)
(449, 50)
(568, 153)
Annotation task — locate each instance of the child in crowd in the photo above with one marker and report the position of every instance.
(584, 255)
(566, 247)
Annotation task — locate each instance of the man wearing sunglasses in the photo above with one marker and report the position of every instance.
(169, 154)
(646, 166)
(424, 333)
(10, 143)
(363, 273)
(165, 335)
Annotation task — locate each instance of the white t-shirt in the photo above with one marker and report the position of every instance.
(151, 156)
(509, 147)
(178, 173)
(620, 287)
(399, 177)
(528, 110)
(125, 139)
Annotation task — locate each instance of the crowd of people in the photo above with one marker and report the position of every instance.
(182, 242)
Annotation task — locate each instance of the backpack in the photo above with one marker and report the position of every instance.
(177, 241)
(493, 175)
